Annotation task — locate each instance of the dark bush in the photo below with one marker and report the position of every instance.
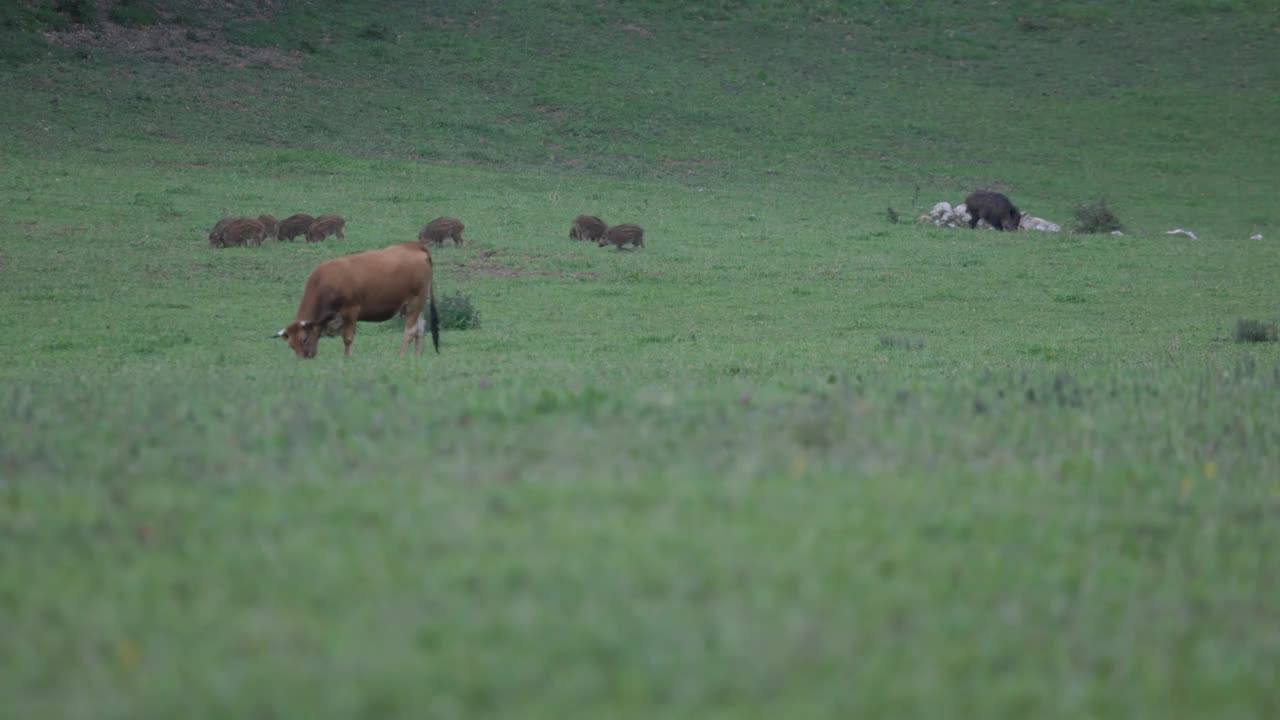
(133, 13)
(457, 312)
(1096, 217)
(1256, 331)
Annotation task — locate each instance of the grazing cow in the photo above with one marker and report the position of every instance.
(587, 227)
(371, 286)
(270, 224)
(441, 229)
(215, 235)
(625, 234)
(244, 231)
(324, 226)
(294, 225)
(993, 207)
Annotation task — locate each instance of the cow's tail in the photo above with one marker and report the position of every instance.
(435, 319)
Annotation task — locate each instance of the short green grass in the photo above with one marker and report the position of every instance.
(788, 460)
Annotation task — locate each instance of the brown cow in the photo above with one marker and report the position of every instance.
(324, 226)
(294, 225)
(625, 234)
(587, 227)
(244, 231)
(371, 286)
(269, 222)
(441, 229)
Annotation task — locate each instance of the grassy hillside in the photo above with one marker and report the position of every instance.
(791, 459)
(1165, 110)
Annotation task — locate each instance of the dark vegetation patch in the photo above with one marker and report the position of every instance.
(133, 13)
(374, 31)
(172, 44)
(457, 312)
(900, 342)
(1096, 216)
(1255, 331)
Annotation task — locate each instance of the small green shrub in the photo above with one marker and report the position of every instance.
(892, 215)
(457, 312)
(1248, 330)
(1096, 217)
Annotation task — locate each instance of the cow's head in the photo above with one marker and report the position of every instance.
(303, 336)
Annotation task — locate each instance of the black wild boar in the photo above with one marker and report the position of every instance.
(269, 223)
(993, 207)
(588, 227)
(215, 235)
(324, 226)
(441, 229)
(245, 231)
(294, 225)
(625, 234)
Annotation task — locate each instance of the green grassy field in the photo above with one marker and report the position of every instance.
(791, 459)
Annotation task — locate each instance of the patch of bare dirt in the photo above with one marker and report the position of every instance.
(552, 112)
(482, 268)
(173, 44)
(486, 266)
(73, 229)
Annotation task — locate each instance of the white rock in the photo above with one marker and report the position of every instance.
(940, 210)
(1180, 231)
(1117, 233)
(1031, 222)
(1256, 237)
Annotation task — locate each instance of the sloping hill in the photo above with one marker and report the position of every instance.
(1157, 106)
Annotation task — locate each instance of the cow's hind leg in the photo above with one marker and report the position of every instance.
(349, 331)
(414, 327)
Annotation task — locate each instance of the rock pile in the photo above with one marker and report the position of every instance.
(944, 215)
